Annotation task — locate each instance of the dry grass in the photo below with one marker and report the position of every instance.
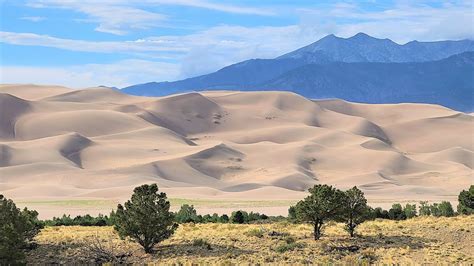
(419, 240)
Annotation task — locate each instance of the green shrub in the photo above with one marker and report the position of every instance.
(145, 218)
(237, 217)
(466, 201)
(355, 210)
(324, 203)
(424, 208)
(284, 247)
(380, 213)
(409, 210)
(224, 218)
(86, 220)
(17, 230)
(187, 214)
(446, 209)
(396, 212)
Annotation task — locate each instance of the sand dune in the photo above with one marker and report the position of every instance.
(57, 143)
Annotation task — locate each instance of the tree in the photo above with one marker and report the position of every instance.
(292, 214)
(17, 229)
(409, 210)
(446, 209)
(466, 201)
(424, 208)
(355, 209)
(324, 203)
(237, 217)
(186, 214)
(396, 212)
(380, 213)
(145, 218)
(224, 218)
(434, 210)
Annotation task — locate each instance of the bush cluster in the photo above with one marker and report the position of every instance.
(86, 220)
(17, 230)
(188, 214)
(399, 212)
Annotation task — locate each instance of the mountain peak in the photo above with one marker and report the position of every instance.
(361, 36)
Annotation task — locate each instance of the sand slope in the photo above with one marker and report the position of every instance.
(60, 143)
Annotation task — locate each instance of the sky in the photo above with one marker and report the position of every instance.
(86, 43)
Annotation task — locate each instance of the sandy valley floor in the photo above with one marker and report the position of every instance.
(95, 145)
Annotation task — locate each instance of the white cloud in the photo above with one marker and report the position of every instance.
(119, 74)
(135, 46)
(121, 16)
(217, 6)
(406, 21)
(33, 19)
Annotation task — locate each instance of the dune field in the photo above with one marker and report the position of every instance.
(95, 145)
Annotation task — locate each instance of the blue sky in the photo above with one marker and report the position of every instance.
(82, 43)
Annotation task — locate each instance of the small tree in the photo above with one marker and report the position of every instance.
(380, 213)
(237, 217)
(324, 203)
(355, 209)
(466, 201)
(446, 209)
(17, 229)
(434, 210)
(224, 218)
(186, 214)
(292, 214)
(424, 208)
(145, 217)
(396, 212)
(409, 210)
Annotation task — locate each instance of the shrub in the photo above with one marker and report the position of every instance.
(255, 232)
(145, 217)
(237, 217)
(17, 229)
(396, 212)
(187, 214)
(224, 218)
(202, 243)
(324, 203)
(409, 210)
(466, 201)
(355, 210)
(284, 247)
(292, 214)
(424, 208)
(434, 210)
(446, 209)
(86, 220)
(380, 213)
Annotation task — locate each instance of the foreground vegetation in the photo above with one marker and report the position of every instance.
(146, 219)
(425, 239)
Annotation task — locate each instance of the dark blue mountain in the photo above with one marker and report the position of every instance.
(360, 68)
(448, 82)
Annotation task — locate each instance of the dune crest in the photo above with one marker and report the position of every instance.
(56, 142)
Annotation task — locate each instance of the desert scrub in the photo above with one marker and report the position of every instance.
(379, 242)
(256, 232)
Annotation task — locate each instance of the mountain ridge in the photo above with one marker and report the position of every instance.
(369, 52)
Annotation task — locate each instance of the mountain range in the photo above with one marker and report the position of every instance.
(360, 68)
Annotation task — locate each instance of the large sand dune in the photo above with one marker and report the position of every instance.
(57, 143)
